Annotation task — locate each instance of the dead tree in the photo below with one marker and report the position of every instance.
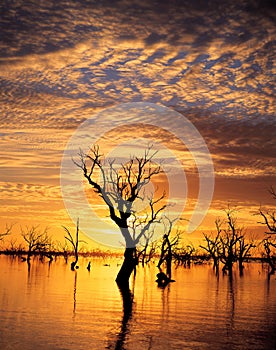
(74, 243)
(6, 232)
(269, 246)
(229, 244)
(167, 246)
(37, 241)
(244, 251)
(119, 191)
(183, 255)
(145, 250)
(152, 251)
(213, 246)
(229, 239)
(14, 247)
(269, 217)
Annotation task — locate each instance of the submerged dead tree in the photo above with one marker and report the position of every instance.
(213, 249)
(147, 249)
(120, 189)
(37, 241)
(229, 239)
(269, 246)
(167, 246)
(269, 217)
(244, 249)
(229, 245)
(183, 255)
(144, 249)
(74, 243)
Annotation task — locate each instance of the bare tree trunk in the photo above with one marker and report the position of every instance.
(74, 263)
(216, 265)
(169, 266)
(241, 267)
(128, 266)
(271, 264)
(29, 254)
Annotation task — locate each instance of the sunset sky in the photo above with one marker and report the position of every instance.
(65, 62)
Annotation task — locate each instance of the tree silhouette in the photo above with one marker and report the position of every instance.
(213, 246)
(14, 247)
(269, 216)
(229, 239)
(37, 241)
(147, 250)
(269, 246)
(229, 244)
(243, 251)
(183, 255)
(74, 243)
(120, 190)
(169, 242)
(6, 232)
(268, 243)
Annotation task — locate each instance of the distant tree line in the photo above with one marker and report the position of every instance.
(227, 246)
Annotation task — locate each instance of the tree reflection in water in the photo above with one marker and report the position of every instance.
(75, 294)
(127, 303)
(231, 292)
(127, 298)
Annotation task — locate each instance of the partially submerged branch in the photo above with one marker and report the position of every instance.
(269, 217)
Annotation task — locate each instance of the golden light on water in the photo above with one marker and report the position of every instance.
(199, 309)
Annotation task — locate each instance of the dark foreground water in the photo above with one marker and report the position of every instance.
(52, 307)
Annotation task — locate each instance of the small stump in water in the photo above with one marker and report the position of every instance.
(163, 279)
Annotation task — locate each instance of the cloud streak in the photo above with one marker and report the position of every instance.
(63, 62)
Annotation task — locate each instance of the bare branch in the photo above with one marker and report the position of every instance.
(122, 188)
(7, 231)
(269, 221)
(36, 240)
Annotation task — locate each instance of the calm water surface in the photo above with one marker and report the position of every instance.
(52, 307)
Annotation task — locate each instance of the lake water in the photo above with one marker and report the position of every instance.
(52, 307)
